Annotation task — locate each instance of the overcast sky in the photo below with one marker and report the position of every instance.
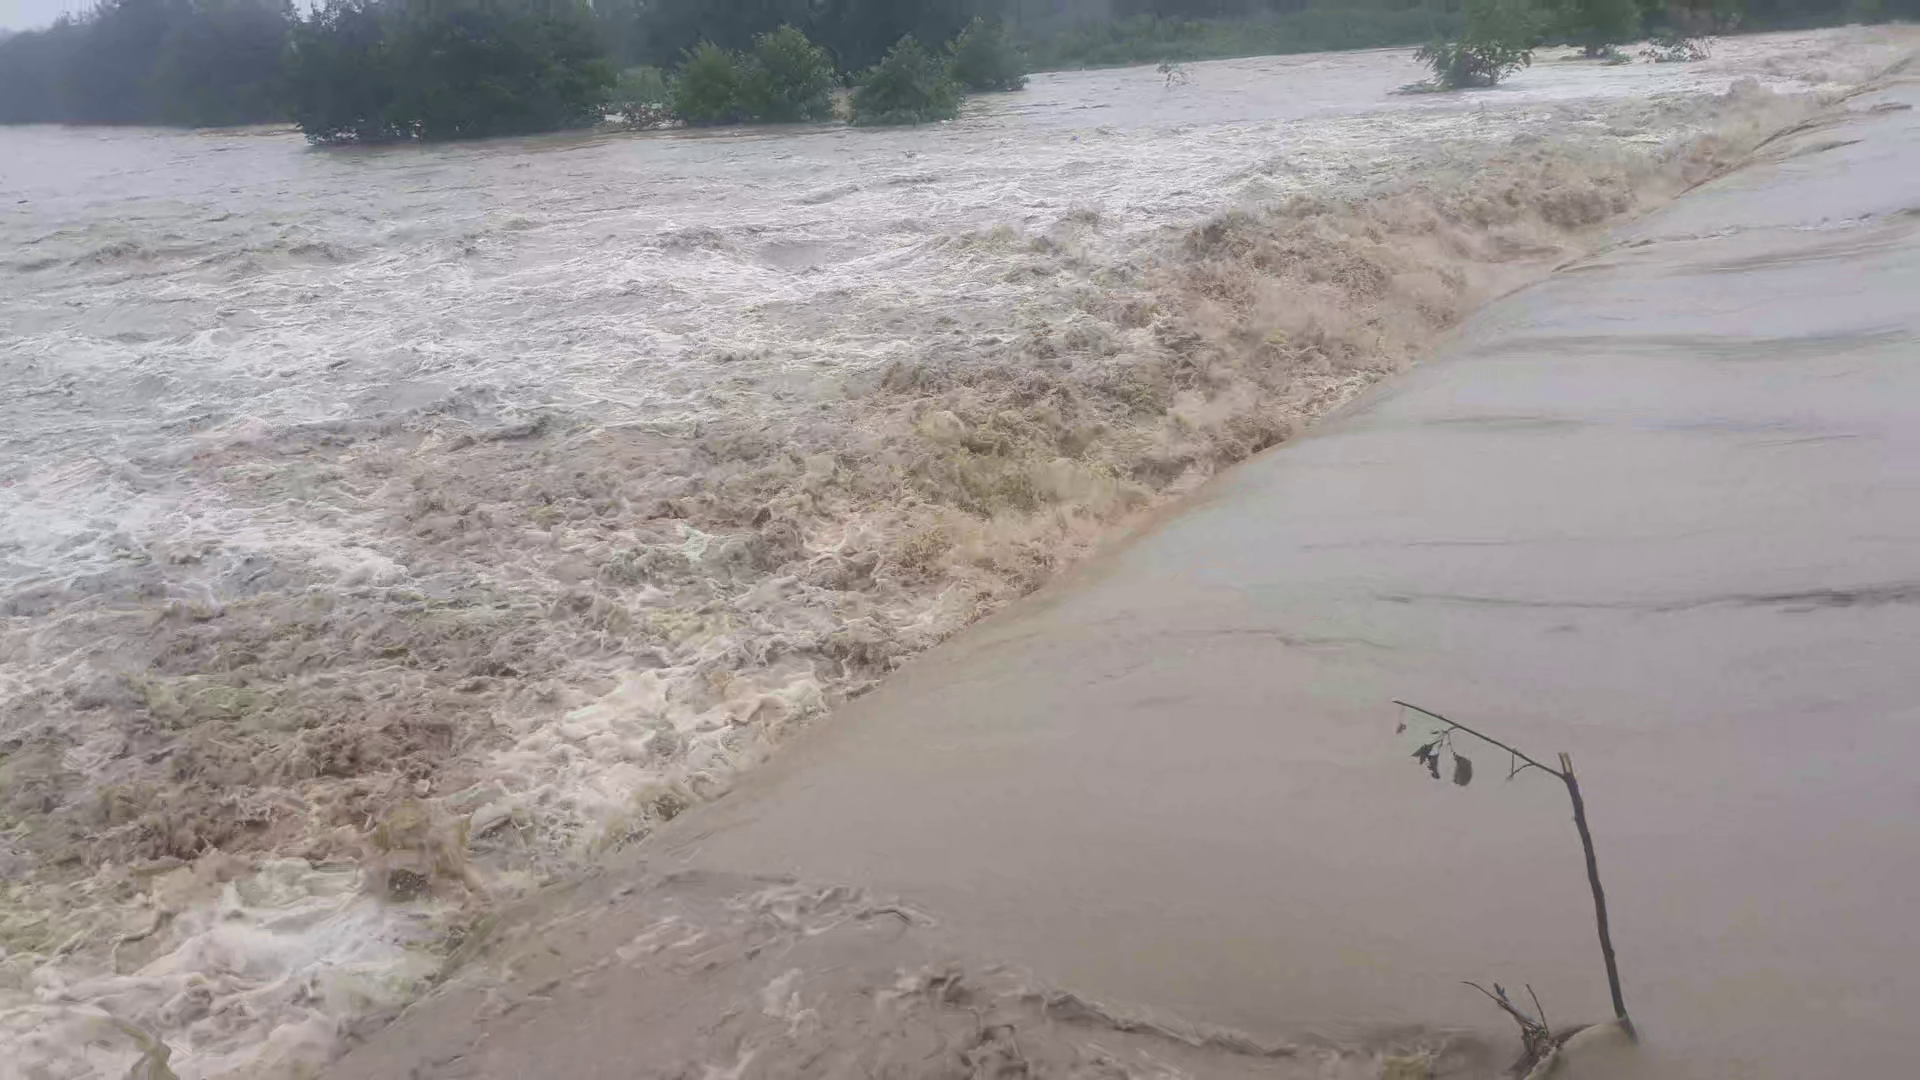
(32, 14)
(27, 14)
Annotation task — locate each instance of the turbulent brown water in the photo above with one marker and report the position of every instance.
(382, 533)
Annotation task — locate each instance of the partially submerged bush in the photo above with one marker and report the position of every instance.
(786, 79)
(706, 89)
(908, 86)
(1496, 41)
(984, 58)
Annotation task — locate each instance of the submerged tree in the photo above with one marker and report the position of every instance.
(1496, 40)
(340, 75)
(784, 79)
(706, 88)
(787, 79)
(362, 70)
(908, 86)
(985, 59)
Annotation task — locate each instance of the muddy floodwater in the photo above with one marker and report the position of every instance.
(385, 533)
(1656, 511)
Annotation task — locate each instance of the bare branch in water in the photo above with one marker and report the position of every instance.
(1428, 755)
(1536, 1042)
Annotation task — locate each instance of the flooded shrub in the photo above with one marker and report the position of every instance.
(908, 86)
(706, 89)
(786, 79)
(984, 59)
(1495, 42)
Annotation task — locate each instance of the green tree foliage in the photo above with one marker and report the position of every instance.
(786, 79)
(190, 62)
(484, 67)
(341, 75)
(908, 86)
(1599, 25)
(1496, 40)
(984, 59)
(361, 70)
(706, 88)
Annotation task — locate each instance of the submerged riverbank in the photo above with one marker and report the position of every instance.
(388, 533)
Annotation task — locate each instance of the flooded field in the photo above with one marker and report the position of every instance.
(384, 533)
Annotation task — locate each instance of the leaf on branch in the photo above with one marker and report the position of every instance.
(1462, 771)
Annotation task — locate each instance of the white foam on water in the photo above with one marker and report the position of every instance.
(252, 980)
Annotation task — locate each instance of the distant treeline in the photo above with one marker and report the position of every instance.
(1149, 31)
(451, 68)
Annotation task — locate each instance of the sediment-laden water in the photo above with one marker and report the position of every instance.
(385, 532)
